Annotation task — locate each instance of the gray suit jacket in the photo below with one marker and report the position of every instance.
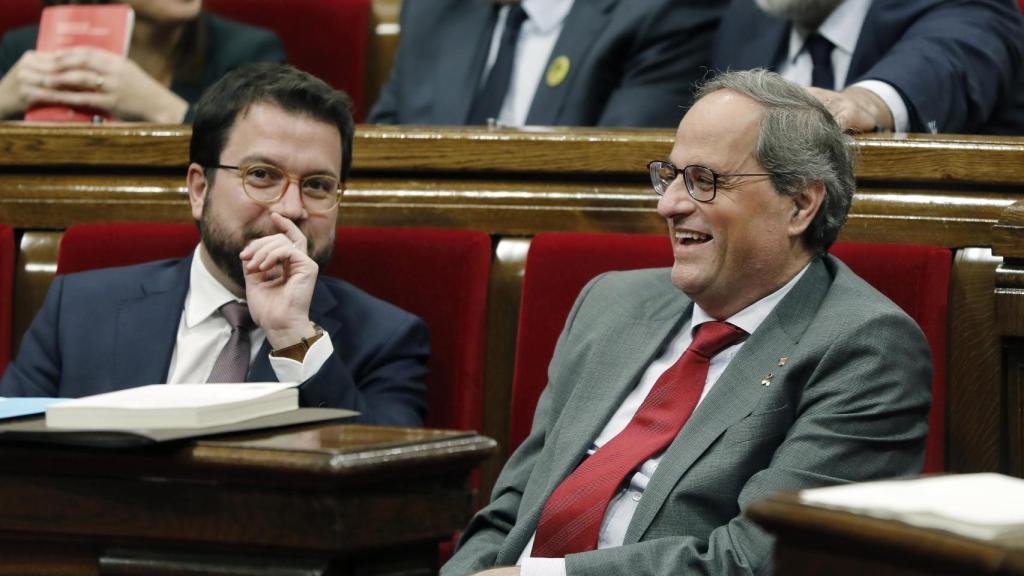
(850, 403)
(632, 63)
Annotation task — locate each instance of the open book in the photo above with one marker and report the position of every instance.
(980, 506)
(174, 406)
(107, 27)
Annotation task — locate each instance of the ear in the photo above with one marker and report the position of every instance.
(198, 188)
(805, 208)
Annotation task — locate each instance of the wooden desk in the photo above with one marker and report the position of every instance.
(814, 541)
(322, 499)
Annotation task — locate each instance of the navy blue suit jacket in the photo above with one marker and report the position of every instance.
(959, 64)
(110, 329)
(632, 63)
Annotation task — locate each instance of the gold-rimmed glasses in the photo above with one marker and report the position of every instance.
(266, 184)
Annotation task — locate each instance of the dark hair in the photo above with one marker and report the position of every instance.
(800, 143)
(286, 86)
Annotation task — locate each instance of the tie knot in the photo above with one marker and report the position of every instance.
(514, 19)
(237, 315)
(819, 47)
(713, 337)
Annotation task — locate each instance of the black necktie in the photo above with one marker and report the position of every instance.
(488, 101)
(820, 50)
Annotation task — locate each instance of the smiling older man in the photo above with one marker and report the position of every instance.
(758, 363)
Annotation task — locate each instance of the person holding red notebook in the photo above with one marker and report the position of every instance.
(175, 51)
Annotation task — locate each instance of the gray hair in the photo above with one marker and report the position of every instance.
(800, 143)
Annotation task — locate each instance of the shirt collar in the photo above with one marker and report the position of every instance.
(841, 28)
(547, 14)
(205, 294)
(751, 317)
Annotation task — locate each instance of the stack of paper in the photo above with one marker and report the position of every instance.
(174, 406)
(981, 506)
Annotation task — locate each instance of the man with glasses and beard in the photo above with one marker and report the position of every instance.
(904, 65)
(758, 363)
(270, 152)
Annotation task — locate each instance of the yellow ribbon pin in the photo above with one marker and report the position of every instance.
(557, 71)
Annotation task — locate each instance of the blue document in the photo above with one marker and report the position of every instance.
(15, 407)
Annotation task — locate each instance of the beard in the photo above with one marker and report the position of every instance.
(223, 245)
(808, 14)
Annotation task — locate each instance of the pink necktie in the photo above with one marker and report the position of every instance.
(572, 516)
(232, 364)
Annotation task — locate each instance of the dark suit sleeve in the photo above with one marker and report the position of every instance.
(385, 109)
(954, 63)
(669, 54)
(383, 378)
(36, 369)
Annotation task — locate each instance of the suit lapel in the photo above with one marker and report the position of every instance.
(583, 25)
(147, 327)
(736, 393)
(465, 55)
(319, 308)
(605, 379)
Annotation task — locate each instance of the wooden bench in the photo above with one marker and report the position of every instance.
(957, 192)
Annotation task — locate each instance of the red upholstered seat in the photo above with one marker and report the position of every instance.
(439, 275)
(560, 264)
(6, 293)
(327, 38)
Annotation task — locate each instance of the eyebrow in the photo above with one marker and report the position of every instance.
(261, 159)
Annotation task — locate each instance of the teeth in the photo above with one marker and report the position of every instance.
(687, 235)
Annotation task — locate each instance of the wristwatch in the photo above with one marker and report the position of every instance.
(298, 350)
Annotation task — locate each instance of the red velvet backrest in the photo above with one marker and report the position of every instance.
(91, 246)
(327, 38)
(442, 277)
(18, 13)
(558, 265)
(439, 275)
(6, 293)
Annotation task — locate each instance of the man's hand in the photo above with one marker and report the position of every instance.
(855, 109)
(500, 571)
(279, 281)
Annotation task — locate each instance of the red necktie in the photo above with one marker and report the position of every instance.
(572, 516)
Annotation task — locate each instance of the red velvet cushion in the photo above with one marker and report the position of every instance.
(441, 276)
(559, 264)
(90, 246)
(6, 293)
(327, 38)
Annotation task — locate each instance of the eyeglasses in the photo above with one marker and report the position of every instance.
(701, 182)
(266, 184)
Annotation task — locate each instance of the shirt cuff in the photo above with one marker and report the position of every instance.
(288, 370)
(542, 567)
(892, 99)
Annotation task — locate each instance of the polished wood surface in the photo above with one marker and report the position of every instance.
(322, 499)
(813, 541)
(960, 192)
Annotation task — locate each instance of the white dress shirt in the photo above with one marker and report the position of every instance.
(842, 28)
(624, 504)
(537, 39)
(203, 332)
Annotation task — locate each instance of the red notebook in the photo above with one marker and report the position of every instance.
(107, 26)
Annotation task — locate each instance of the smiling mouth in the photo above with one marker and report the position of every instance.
(688, 238)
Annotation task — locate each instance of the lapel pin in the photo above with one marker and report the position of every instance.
(767, 380)
(782, 360)
(557, 71)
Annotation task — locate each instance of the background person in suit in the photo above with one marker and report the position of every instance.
(271, 147)
(176, 52)
(821, 379)
(565, 62)
(908, 65)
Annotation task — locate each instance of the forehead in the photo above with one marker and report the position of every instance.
(293, 139)
(719, 130)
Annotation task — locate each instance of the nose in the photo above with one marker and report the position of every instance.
(290, 205)
(676, 201)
